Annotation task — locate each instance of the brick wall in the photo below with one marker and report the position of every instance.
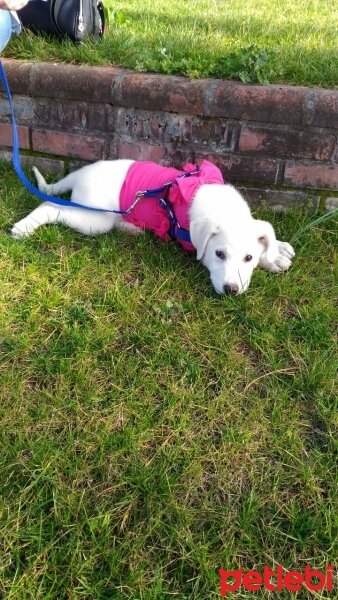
(278, 144)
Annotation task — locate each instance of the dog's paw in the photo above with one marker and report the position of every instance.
(279, 265)
(284, 258)
(285, 249)
(282, 261)
(18, 233)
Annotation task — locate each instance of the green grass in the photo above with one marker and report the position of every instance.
(284, 42)
(152, 431)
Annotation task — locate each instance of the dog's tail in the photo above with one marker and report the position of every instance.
(64, 185)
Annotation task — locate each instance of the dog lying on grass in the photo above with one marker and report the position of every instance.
(203, 213)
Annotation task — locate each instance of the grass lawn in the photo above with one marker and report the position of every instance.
(152, 431)
(276, 41)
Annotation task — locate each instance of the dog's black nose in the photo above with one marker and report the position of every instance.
(231, 288)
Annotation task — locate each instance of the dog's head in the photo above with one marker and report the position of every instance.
(228, 241)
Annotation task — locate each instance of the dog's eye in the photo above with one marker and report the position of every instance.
(248, 258)
(220, 254)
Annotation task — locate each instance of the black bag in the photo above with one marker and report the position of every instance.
(75, 18)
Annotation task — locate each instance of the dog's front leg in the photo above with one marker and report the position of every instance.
(282, 261)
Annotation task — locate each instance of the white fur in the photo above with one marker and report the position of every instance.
(220, 221)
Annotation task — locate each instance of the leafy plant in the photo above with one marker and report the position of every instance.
(250, 65)
(167, 62)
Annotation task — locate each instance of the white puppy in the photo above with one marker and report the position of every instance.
(228, 240)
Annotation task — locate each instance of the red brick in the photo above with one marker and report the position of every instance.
(270, 104)
(60, 115)
(6, 135)
(311, 175)
(157, 126)
(70, 116)
(92, 84)
(45, 165)
(99, 118)
(287, 143)
(24, 110)
(131, 122)
(278, 200)
(140, 151)
(18, 75)
(206, 131)
(169, 127)
(326, 109)
(67, 144)
(335, 154)
(160, 92)
(244, 168)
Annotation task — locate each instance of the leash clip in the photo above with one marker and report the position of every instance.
(138, 197)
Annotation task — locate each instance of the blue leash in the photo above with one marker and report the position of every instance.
(175, 231)
(16, 157)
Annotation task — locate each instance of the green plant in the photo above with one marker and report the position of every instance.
(251, 64)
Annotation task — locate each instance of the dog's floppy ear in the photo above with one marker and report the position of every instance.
(266, 236)
(200, 233)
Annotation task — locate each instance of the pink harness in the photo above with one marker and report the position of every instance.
(153, 215)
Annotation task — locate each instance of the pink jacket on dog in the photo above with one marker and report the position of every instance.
(148, 214)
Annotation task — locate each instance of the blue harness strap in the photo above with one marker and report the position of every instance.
(175, 230)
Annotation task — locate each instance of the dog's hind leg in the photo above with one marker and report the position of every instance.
(80, 219)
(46, 212)
(42, 215)
(63, 185)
